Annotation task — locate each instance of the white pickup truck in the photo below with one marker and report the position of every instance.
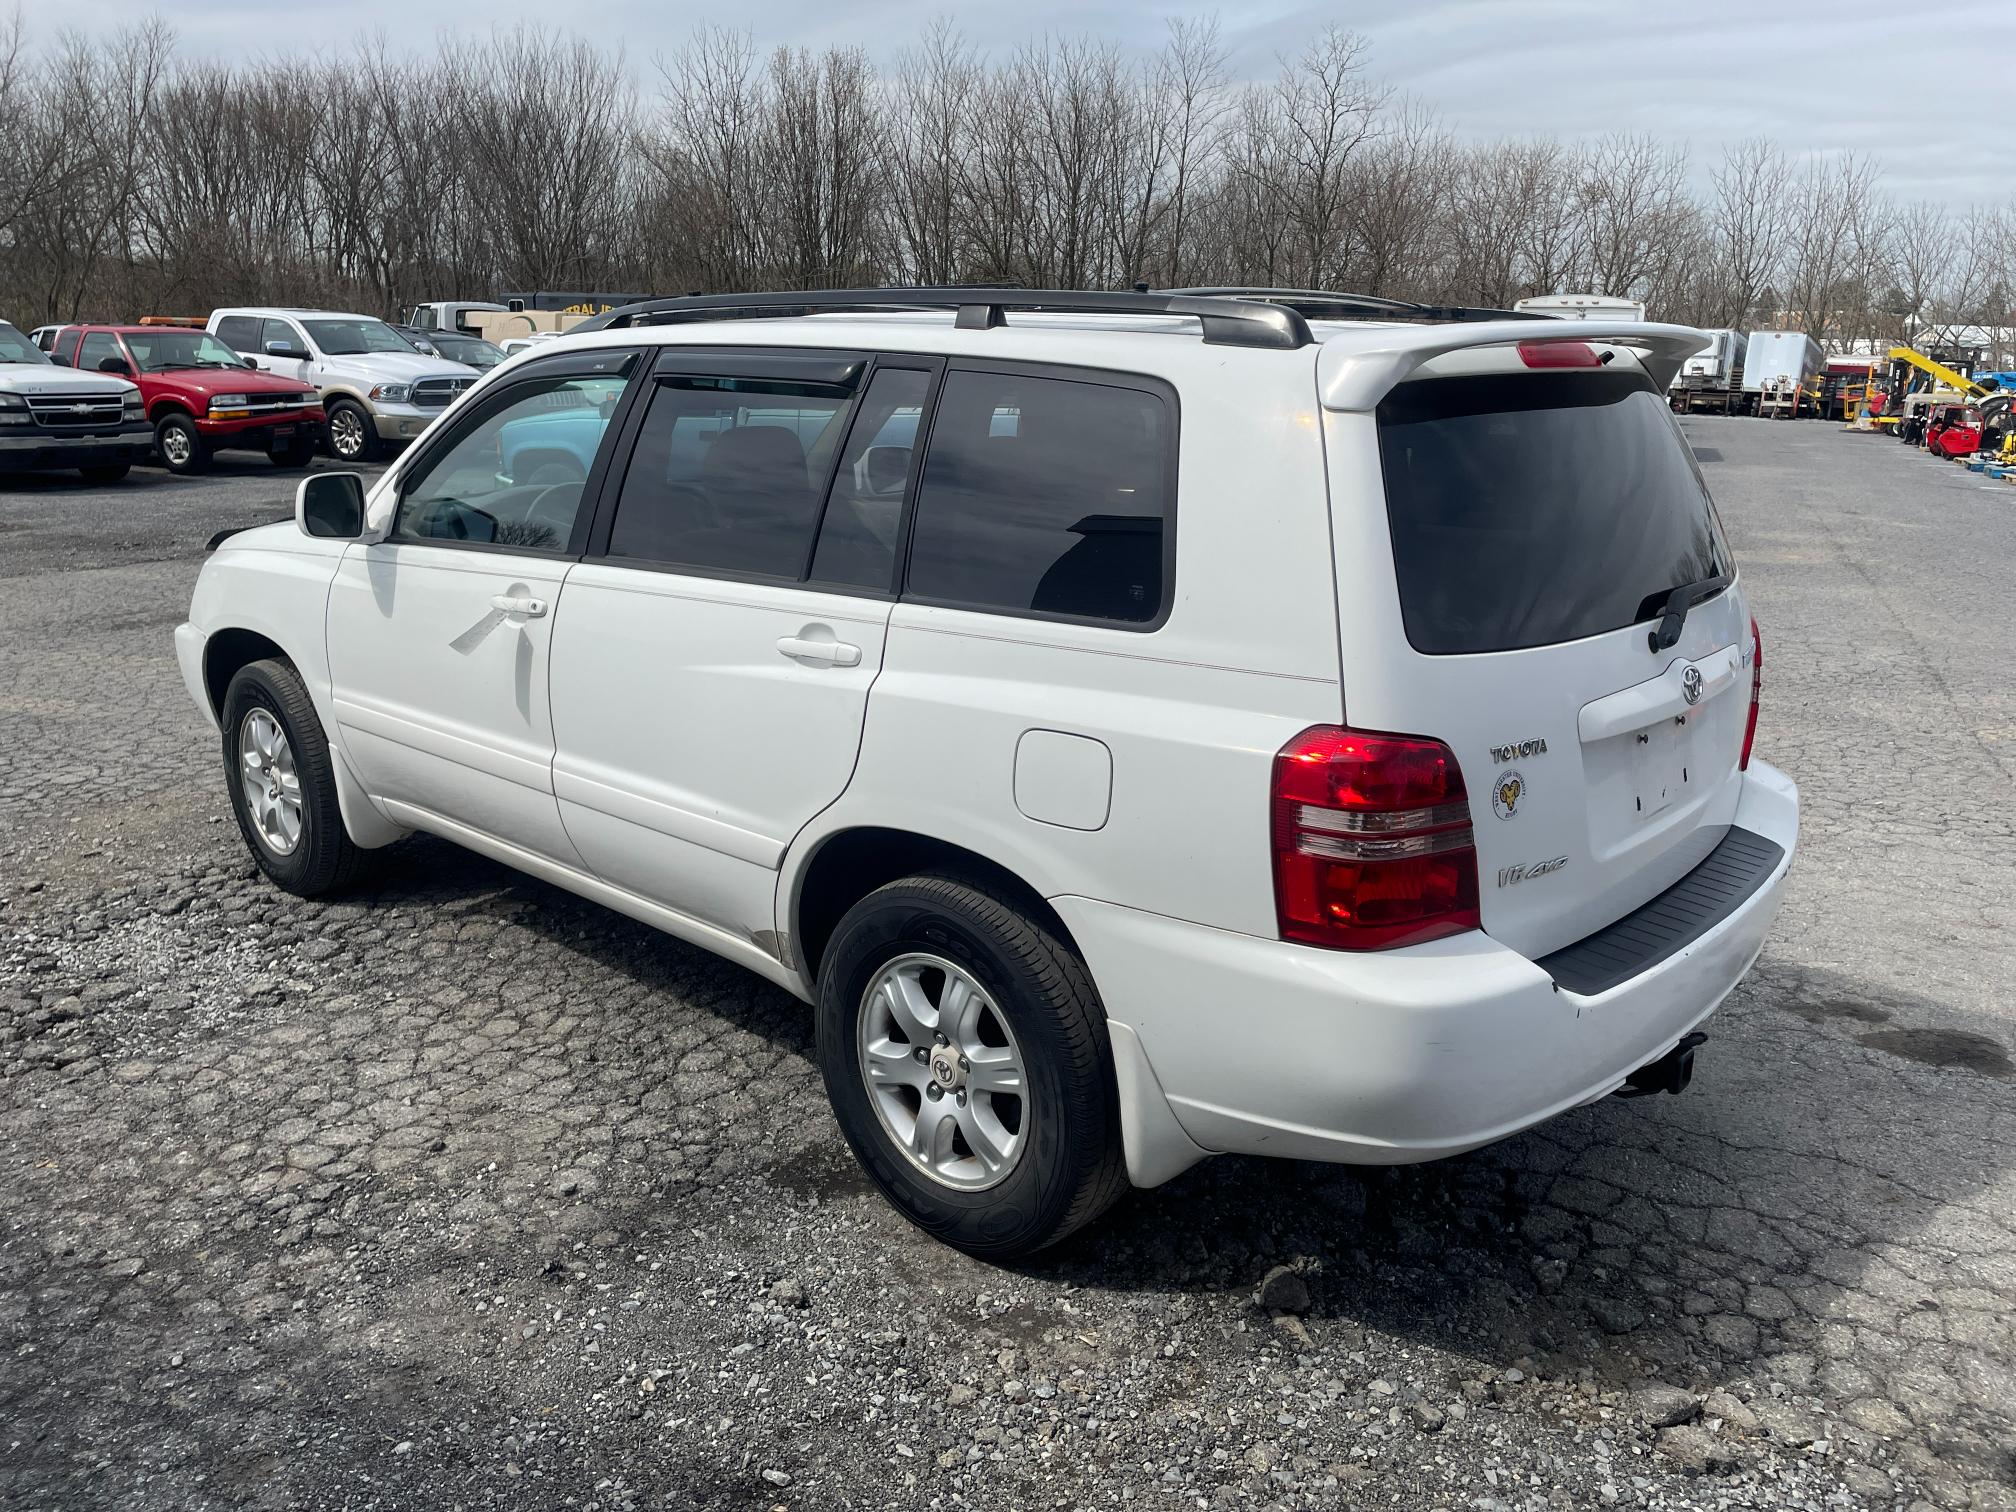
(55, 417)
(375, 387)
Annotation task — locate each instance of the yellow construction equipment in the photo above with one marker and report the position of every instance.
(1942, 376)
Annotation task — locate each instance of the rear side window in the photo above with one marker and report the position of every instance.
(239, 332)
(1527, 510)
(1046, 496)
(728, 474)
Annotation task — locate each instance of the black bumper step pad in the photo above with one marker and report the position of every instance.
(1667, 925)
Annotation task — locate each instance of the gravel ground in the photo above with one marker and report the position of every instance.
(463, 1193)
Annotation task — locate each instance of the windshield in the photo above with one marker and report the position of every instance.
(14, 347)
(159, 351)
(349, 338)
(1527, 510)
(467, 349)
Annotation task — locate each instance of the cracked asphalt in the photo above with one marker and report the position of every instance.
(463, 1193)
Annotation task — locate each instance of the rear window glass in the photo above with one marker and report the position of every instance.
(1045, 496)
(1527, 510)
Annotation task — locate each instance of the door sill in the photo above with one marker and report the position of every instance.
(708, 937)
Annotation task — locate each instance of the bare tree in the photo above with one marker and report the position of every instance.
(1747, 219)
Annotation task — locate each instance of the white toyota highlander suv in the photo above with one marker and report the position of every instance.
(1144, 725)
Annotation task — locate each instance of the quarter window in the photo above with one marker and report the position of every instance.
(240, 333)
(728, 474)
(1045, 496)
(515, 476)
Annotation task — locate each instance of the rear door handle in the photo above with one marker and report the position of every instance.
(521, 605)
(823, 653)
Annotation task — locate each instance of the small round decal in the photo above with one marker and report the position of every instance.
(1507, 793)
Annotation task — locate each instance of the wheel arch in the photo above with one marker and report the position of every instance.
(170, 404)
(848, 864)
(227, 652)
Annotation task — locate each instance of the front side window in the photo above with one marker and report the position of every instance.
(98, 346)
(728, 474)
(352, 338)
(515, 475)
(1045, 496)
(161, 351)
(279, 333)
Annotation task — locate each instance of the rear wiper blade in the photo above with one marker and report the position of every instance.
(1674, 614)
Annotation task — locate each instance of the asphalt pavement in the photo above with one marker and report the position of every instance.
(461, 1192)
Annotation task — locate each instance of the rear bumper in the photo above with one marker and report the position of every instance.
(39, 450)
(1387, 1058)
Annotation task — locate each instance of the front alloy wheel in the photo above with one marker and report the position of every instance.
(272, 786)
(346, 434)
(282, 781)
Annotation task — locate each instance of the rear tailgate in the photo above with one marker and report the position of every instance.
(1507, 536)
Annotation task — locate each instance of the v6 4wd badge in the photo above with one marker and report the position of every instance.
(1508, 875)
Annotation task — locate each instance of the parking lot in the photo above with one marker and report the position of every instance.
(463, 1192)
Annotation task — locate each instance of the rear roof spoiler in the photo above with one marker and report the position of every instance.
(1354, 373)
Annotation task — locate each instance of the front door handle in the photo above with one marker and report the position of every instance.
(521, 605)
(822, 653)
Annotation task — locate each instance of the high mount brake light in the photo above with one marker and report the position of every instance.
(1559, 354)
(1756, 688)
(1372, 841)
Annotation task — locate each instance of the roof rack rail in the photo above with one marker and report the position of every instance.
(1319, 304)
(1226, 322)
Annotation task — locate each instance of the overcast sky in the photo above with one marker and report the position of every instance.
(1910, 84)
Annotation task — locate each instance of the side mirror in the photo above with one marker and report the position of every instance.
(286, 349)
(57, 359)
(330, 506)
(115, 365)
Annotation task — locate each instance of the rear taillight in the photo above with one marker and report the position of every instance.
(1756, 688)
(1372, 841)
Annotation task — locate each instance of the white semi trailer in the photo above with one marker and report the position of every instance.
(1779, 368)
(1582, 307)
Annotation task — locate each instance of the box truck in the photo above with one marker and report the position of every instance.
(1582, 307)
(1780, 369)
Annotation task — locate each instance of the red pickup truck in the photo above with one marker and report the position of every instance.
(200, 395)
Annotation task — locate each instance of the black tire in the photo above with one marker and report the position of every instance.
(295, 456)
(350, 433)
(176, 437)
(110, 472)
(323, 860)
(1070, 1169)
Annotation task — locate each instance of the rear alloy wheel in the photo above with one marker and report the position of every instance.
(965, 1054)
(181, 445)
(351, 435)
